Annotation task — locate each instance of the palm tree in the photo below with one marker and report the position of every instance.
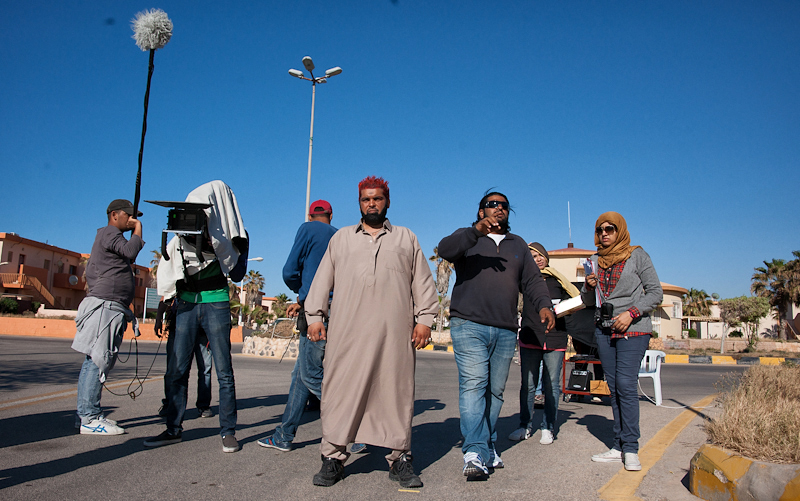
(443, 270)
(154, 267)
(252, 283)
(697, 303)
(779, 282)
(279, 306)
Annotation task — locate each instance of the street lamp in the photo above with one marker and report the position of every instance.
(309, 66)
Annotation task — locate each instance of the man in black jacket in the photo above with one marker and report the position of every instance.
(492, 267)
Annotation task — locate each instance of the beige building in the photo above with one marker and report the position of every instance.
(666, 318)
(35, 271)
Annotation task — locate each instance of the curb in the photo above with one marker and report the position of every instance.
(715, 474)
(436, 347)
(727, 360)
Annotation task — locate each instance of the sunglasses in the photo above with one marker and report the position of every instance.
(492, 204)
(606, 229)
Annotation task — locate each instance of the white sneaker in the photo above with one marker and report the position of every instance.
(101, 426)
(547, 437)
(610, 456)
(520, 434)
(473, 466)
(495, 460)
(632, 461)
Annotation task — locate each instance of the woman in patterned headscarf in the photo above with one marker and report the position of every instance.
(623, 278)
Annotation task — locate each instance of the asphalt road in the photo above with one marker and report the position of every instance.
(43, 457)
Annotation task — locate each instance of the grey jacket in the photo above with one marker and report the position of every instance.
(101, 325)
(638, 286)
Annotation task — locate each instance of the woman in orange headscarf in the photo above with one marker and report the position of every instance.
(625, 288)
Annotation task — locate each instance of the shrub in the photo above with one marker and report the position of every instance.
(760, 416)
(736, 334)
(35, 306)
(693, 334)
(8, 305)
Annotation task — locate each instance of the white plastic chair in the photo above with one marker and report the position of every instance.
(651, 367)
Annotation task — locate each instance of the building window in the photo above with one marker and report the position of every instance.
(73, 269)
(10, 256)
(68, 303)
(677, 309)
(46, 264)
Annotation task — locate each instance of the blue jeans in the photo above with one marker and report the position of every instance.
(215, 321)
(483, 355)
(621, 359)
(309, 363)
(202, 355)
(532, 362)
(89, 390)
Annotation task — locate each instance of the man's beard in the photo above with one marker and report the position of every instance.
(375, 218)
(504, 226)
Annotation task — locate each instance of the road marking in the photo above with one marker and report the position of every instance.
(22, 402)
(623, 485)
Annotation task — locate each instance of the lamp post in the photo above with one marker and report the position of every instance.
(242, 294)
(309, 65)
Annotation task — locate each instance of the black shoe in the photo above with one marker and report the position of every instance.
(332, 471)
(166, 438)
(403, 471)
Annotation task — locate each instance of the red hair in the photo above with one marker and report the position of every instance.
(372, 182)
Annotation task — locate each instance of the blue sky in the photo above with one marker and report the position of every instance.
(682, 116)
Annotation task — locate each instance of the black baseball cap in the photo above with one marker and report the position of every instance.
(123, 205)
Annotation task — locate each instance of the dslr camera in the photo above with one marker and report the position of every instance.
(604, 316)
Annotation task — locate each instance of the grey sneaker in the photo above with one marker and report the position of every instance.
(610, 456)
(229, 443)
(632, 461)
(206, 413)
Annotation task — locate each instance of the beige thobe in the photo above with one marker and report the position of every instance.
(380, 284)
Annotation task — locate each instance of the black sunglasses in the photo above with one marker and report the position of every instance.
(491, 204)
(607, 229)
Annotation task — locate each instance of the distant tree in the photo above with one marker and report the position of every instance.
(444, 269)
(696, 303)
(746, 312)
(252, 283)
(279, 306)
(779, 282)
(154, 268)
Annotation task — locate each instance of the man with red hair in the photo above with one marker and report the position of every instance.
(383, 308)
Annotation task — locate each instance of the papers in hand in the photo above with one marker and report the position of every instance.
(568, 306)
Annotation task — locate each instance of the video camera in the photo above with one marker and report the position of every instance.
(604, 316)
(185, 218)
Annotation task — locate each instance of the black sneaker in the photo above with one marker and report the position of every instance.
(403, 471)
(332, 471)
(205, 413)
(166, 438)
